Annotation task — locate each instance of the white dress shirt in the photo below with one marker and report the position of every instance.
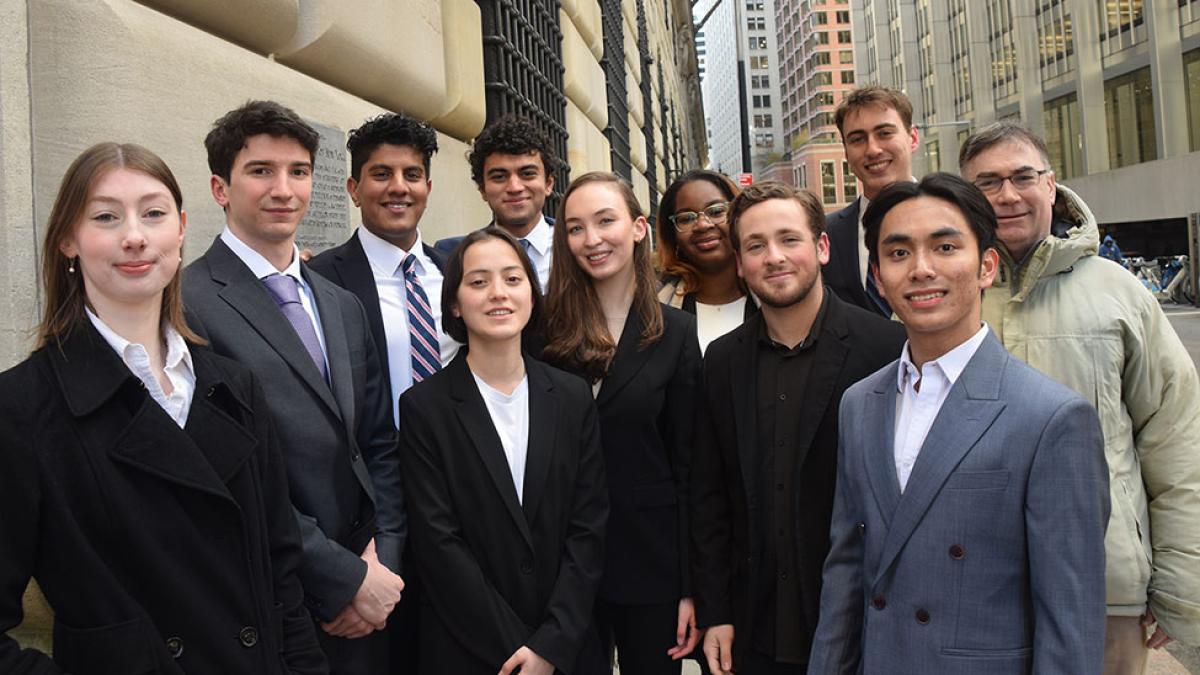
(177, 367)
(541, 238)
(386, 261)
(916, 410)
(713, 321)
(510, 417)
(262, 268)
(863, 254)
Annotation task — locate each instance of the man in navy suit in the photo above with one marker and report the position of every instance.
(512, 164)
(309, 343)
(972, 491)
(879, 139)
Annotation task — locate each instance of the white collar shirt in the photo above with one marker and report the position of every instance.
(177, 367)
(922, 391)
(386, 260)
(261, 268)
(540, 249)
(863, 255)
(510, 418)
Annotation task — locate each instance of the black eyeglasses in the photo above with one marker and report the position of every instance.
(1021, 180)
(686, 220)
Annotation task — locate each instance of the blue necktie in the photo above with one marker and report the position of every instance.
(423, 341)
(873, 294)
(287, 295)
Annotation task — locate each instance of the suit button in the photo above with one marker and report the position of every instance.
(175, 647)
(355, 523)
(248, 637)
(957, 552)
(526, 567)
(922, 617)
(862, 529)
(878, 602)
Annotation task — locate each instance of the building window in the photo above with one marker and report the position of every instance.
(759, 62)
(823, 98)
(849, 183)
(846, 57)
(763, 121)
(822, 119)
(762, 100)
(960, 59)
(828, 183)
(757, 23)
(821, 59)
(1002, 47)
(843, 16)
(758, 43)
(847, 77)
(820, 18)
(760, 81)
(844, 37)
(822, 37)
(1063, 141)
(822, 78)
(1191, 75)
(933, 157)
(764, 140)
(1129, 107)
(1120, 24)
(1055, 38)
(754, 5)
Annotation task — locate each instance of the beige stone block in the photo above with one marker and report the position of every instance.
(583, 79)
(633, 96)
(464, 111)
(264, 26)
(387, 52)
(637, 147)
(578, 138)
(586, 17)
(641, 190)
(174, 80)
(631, 51)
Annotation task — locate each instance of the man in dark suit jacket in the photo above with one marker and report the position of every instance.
(513, 164)
(310, 344)
(879, 139)
(390, 184)
(972, 491)
(766, 448)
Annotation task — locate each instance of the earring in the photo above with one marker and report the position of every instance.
(71, 269)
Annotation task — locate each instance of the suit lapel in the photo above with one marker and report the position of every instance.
(543, 416)
(742, 377)
(880, 455)
(337, 347)
(627, 361)
(971, 407)
(828, 361)
(249, 298)
(354, 270)
(473, 415)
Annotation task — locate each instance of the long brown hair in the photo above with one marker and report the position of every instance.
(670, 261)
(65, 295)
(577, 336)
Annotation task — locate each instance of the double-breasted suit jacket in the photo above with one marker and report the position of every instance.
(497, 572)
(338, 437)
(647, 412)
(160, 549)
(991, 560)
(347, 266)
(726, 499)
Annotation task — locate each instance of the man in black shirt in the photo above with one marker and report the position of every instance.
(766, 455)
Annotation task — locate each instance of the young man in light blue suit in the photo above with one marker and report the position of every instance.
(972, 491)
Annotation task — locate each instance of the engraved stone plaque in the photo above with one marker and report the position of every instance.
(327, 222)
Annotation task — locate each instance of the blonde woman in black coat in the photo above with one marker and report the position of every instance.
(140, 479)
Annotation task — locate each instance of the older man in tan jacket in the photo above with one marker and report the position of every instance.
(1088, 323)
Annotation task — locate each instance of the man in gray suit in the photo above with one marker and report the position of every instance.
(310, 345)
(972, 492)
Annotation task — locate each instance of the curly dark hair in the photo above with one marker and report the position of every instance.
(510, 135)
(393, 129)
(229, 133)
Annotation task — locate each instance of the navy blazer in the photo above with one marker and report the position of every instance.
(347, 266)
(841, 273)
(991, 561)
(160, 549)
(338, 437)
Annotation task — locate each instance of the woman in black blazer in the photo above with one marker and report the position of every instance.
(605, 324)
(148, 500)
(504, 483)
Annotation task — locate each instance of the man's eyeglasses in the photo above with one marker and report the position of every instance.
(1021, 180)
(686, 220)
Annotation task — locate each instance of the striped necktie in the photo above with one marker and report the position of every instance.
(423, 341)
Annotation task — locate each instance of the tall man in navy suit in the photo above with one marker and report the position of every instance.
(309, 342)
(972, 491)
(512, 164)
(398, 278)
(879, 139)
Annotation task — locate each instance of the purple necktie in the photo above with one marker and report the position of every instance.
(287, 295)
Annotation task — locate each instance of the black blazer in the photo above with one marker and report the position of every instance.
(160, 549)
(446, 246)
(347, 266)
(497, 573)
(853, 343)
(338, 438)
(647, 407)
(841, 273)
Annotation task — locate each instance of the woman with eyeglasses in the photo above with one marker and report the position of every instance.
(605, 324)
(695, 254)
(141, 482)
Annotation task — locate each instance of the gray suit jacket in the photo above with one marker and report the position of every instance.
(992, 559)
(338, 440)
